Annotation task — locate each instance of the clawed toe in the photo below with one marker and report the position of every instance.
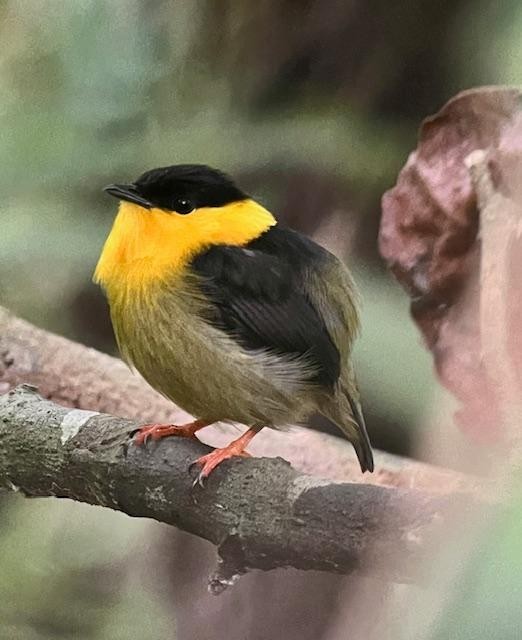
(213, 459)
(158, 431)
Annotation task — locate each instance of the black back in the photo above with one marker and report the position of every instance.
(258, 295)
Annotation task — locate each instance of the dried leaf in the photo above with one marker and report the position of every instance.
(429, 237)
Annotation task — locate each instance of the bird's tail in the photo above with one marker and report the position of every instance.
(352, 424)
(362, 445)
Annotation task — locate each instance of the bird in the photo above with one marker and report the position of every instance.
(233, 316)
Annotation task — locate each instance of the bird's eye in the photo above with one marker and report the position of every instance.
(183, 205)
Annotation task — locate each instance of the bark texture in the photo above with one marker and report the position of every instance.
(261, 513)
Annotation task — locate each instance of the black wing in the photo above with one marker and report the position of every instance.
(257, 297)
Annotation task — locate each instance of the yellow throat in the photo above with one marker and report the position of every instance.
(148, 245)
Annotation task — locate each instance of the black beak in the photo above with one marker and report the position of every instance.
(129, 193)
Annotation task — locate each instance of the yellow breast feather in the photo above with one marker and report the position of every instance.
(147, 245)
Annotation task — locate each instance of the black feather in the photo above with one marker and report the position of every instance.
(258, 297)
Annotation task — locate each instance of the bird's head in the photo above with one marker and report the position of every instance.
(169, 215)
(179, 189)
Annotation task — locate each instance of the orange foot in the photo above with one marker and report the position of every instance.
(158, 431)
(210, 461)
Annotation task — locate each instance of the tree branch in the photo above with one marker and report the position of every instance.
(73, 375)
(260, 512)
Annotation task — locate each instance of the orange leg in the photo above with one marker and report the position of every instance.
(158, 431)
(210, 461)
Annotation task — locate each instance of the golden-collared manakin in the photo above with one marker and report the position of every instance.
(228, 313)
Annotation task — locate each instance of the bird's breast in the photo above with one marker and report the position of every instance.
(165, 336)
(161, 333)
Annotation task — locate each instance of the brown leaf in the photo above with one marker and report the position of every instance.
(429, 237)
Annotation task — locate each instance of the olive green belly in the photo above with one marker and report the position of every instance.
(203, 370)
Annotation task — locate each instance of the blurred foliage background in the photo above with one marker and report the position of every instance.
(313, 107)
